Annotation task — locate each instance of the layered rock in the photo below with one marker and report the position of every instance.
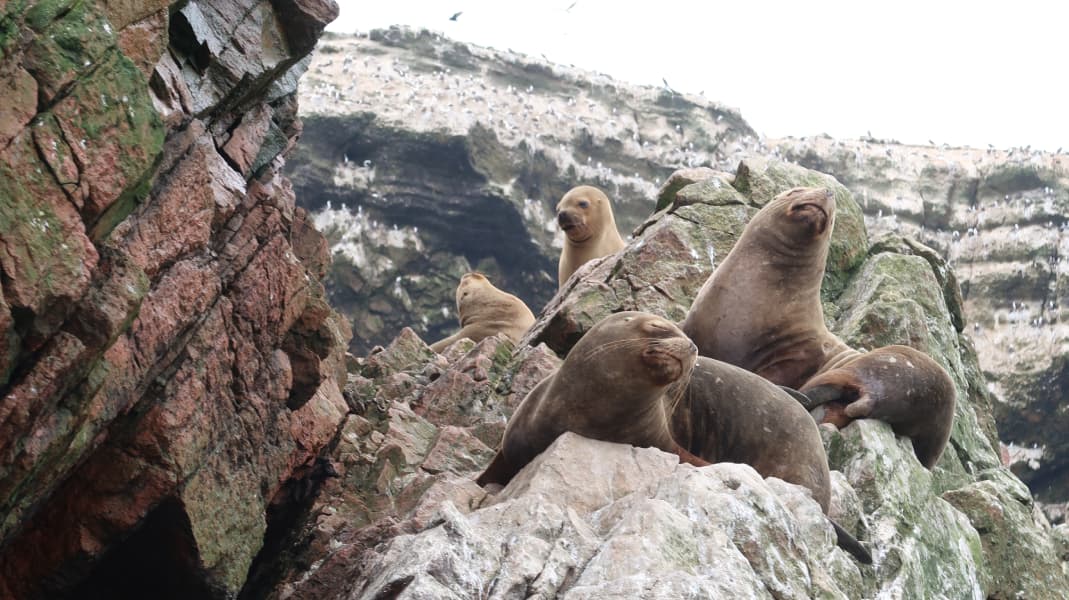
(483, 143)
(589, 519)
(169, 361)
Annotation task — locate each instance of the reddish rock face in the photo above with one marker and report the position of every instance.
(168, 364)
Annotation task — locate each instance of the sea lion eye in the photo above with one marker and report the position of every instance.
(584, 204)
(628, 319)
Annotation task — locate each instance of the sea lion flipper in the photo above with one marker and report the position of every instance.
(440, 346)
(861, 408)
(687, 457)
(802, 399)
(822, 394)
(850, 544)
(500, 471)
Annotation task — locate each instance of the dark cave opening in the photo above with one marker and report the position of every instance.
(158, 561)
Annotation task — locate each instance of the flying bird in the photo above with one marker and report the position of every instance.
(570, 7)
(455, 16)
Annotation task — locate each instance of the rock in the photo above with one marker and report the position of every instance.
(592, 519)
(169, 369)
(426, 425)
(304, 21)
(19, 88)
(680, 179)
(244, 144)
(1015, 534)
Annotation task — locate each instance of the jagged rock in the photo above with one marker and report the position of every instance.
(424, 425)
(590, 519)
(169, 368)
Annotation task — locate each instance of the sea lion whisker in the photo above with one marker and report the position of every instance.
(677, 390)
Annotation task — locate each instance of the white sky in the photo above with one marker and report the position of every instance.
(964, 73)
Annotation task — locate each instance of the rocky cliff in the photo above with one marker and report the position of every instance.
(423, 157)
(179, 419)
(587, 519)
(169, 368)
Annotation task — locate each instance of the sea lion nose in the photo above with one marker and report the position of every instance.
(693, 348)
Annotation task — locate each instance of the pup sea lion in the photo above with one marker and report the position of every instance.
(760, 310)
(610, 387)
(585, 216)
(485, 310)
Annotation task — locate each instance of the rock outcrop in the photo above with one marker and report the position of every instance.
(169, 366)
(424, 157)
(589, 519)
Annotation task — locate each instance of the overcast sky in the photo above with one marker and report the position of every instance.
(964, 73)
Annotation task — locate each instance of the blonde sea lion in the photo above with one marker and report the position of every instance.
(585, 216)
(485, 310)
(761, 310)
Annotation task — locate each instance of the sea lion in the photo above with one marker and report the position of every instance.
(485, 310)
(632, 379)
(610, 387)
(760, 310)
(729, 414)
(585, 216)
(896, 384)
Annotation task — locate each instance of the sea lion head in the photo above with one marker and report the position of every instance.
(470, 283)
(629, 343)
(473, 292)
(583, 212)
(804, 216)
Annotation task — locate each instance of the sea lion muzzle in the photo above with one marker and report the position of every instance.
(568, 220)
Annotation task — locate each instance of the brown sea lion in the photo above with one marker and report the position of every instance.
(485, 310)
(761, 310)
(629, 380)
(896, 384)
(585, 216)
(610, 387)
(729, 414)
